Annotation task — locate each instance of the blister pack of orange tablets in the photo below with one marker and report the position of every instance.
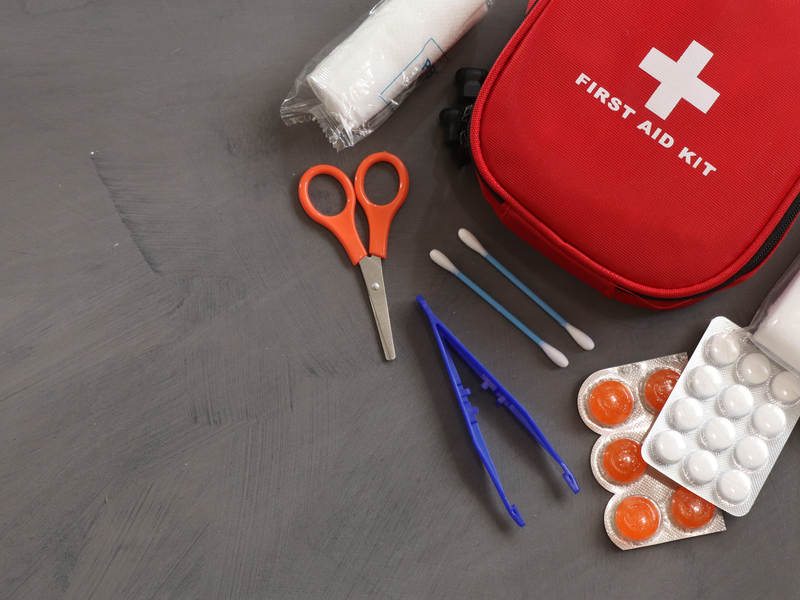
(621, 404)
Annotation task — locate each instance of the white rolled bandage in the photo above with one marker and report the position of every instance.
(779, 331)
(397, 42)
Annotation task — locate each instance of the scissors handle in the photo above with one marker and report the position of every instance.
(343, 225)
(380, 216)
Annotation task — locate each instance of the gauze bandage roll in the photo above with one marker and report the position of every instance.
(398, 41)
(778, 330)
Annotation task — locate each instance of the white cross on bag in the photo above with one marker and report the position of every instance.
(679, 80)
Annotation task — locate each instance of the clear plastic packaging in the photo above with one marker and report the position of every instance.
(647, 508)
(730, 413)
(355, 83)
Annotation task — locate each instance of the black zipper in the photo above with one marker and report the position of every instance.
(758, 258)
(500, 199)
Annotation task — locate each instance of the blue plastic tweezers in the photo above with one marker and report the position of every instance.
(443, 334)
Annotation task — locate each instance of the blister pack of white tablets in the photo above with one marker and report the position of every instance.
(647, 508)
(726, 421)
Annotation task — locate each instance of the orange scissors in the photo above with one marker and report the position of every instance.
(343, 226)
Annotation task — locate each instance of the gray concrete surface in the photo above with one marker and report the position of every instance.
(193, 401)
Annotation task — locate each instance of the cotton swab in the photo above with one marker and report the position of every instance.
(553, 354)
(583, 340)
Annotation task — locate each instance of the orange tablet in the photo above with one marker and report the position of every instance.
(659, 386)
(690, 510)
(622, 460)
(637, 518)
(611, 402)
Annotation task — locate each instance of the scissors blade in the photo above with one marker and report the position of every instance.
(372, 271)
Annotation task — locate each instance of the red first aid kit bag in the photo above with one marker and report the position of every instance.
(652, 149)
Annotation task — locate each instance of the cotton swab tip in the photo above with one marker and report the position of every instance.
(584, 341)
(554, 355)
(440, 259)
(471, 241)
